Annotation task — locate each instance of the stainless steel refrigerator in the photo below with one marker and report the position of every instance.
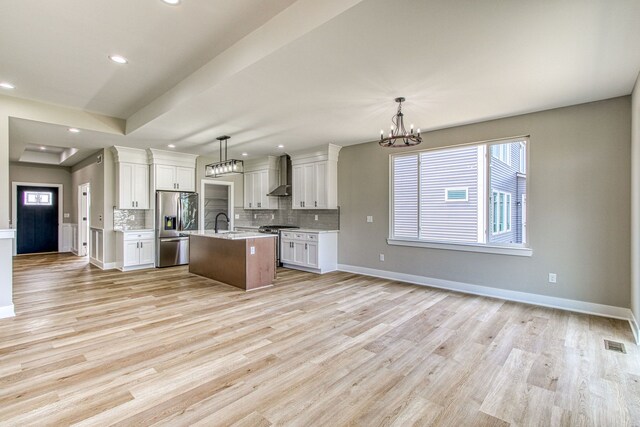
(175, 212)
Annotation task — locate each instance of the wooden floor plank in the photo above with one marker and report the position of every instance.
(162, 346)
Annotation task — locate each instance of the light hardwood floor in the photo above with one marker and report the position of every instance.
(93, 347)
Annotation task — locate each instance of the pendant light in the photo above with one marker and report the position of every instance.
(225, 166)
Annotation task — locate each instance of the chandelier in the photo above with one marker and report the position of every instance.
(398, 135)
(224, 166)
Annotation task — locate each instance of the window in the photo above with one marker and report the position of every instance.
(467, 195)
(456, 194)
(522, 157)
(500, 212)
(502, 152)
(37, 198)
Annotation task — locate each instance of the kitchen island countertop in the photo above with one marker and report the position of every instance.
(228, 235)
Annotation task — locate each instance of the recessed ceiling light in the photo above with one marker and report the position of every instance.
(245, 154)
(74, 130)
(172, 2)
(43, 148)
(171, 146)
(280, 146)
(118, 59)
(7, 85)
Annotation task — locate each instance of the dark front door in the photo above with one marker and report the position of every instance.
(37, 211)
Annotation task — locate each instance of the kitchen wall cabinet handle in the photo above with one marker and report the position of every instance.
(305, 246)
(316, 204)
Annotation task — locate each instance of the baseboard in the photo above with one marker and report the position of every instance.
(102, 265)
(7, 311)
(634, 328)
(524, 297)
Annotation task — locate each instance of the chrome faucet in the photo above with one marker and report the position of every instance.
(215, 228)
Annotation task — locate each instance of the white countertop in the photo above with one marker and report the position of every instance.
(226, 235)
(144, 230)
(310, 230)
(8, 234)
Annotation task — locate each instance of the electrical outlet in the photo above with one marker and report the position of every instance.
(67, 214)
(273, 216)
(316, 217)
(253, 250)
(369, 218)
(255, 216)
(237, 216)
(381, 257)
(553, 278)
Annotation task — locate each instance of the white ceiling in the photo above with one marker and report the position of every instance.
(334, 80)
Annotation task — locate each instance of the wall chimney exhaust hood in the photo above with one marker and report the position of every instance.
(284, 189)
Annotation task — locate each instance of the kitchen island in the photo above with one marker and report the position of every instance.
(246, 260)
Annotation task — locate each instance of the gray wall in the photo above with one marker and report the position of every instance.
(578, 207)
(89, 171)
(102, 179)
(44, 174)
(635, 199)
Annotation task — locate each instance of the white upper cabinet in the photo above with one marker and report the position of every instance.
(173, 171)
(186, 178)
(315, 178)
(132, 178)
(165, 177)
(260, 178)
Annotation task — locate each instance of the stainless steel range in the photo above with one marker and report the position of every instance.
(276, 229)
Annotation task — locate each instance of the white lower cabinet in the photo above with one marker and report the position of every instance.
(314, 251)
(135, 250)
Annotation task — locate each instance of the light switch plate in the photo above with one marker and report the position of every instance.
(67, 214)
(253, 250)
(237, 216)
(369, 218)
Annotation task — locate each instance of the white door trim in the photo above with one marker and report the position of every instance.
(14, 209)
(87, 228)
(209, 181)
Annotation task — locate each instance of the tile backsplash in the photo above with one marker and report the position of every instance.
(328, 219)
(129, 219)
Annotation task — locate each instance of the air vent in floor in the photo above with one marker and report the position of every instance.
(614, 346)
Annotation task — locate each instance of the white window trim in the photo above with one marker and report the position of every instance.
(38, 195)
(505, 210)
(504, 249)
(516, 250)
(448, 200)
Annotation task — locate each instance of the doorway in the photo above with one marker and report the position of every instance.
(37, 219)
(216, 197)
(84, 204)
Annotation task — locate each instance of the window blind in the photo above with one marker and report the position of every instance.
(405, 191)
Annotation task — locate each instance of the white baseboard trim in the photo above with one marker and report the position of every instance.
(7, 311)
(634, 328)
(505, 294)
(102, 265)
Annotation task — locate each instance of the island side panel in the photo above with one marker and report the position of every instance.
(218, 259)
(261, 265)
